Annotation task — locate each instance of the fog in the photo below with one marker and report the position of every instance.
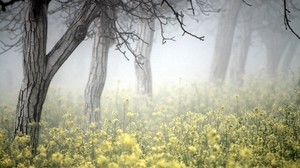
(187, 59)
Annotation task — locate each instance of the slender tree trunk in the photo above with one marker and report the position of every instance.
(143, 64)
(98, 71)
(224, 39)
(242, 47)
(39, 68)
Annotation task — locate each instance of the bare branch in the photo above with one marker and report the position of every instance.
(246, 3)
(179, 18)
(287, 21)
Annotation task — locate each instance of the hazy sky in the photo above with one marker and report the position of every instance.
(186, 58)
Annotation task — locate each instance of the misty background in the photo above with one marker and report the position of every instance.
(187, 59)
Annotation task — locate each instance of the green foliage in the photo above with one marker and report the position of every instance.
(189, 126)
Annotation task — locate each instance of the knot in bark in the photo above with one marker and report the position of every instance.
(80, 32)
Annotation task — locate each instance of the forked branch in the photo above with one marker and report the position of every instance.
(179, 18)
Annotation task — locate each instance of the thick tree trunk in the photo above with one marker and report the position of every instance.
(98, 71)
(34, 86)
(143, 65)
(39, 68)
(239, 59)
(224, 39)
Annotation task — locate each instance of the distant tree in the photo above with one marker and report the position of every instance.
(272, 34)
(269, 25)
(142, 65)
(225, 33)
(290, 53)
(243, 37)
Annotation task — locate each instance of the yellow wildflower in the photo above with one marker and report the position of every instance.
(27, 153)
(113, 165)
(101, 160)
(192, 149)
(92, 125)
(67, 161)
(127, 141)
(141, 163)
(57, 157)
(213, 136)
(173, 140)
(246, 153)
(7, 162)
(130, 114)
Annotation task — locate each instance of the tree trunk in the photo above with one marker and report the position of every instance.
(276, 44)
(242, 47)
(39, 68)
(98, 71)
(34, 86)
(224, 39)
(143, 64)
(287, 59)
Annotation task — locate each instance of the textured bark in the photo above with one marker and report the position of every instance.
(98, 71)
(39, 68)
(239, 59)
(143, 65)
(34, 86)
(224, 39)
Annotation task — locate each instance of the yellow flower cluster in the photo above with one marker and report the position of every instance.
(200, 126)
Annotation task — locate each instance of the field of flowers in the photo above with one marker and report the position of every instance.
(193, 125)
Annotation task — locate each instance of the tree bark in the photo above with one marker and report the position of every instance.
(143, 65)
(39, 68)
(224, 39)
(34, 86)
(98, 71)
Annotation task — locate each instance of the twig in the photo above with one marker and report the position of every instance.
(179, 18)
(287, 21)
(246, 3)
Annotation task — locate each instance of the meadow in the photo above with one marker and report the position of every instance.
(184, 125)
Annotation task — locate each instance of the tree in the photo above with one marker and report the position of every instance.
(273, 35)
(224, 38)
(241, 48)
(39, 67)
(98, 68)
(141, 26)
(143, 65)
(289, 55)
